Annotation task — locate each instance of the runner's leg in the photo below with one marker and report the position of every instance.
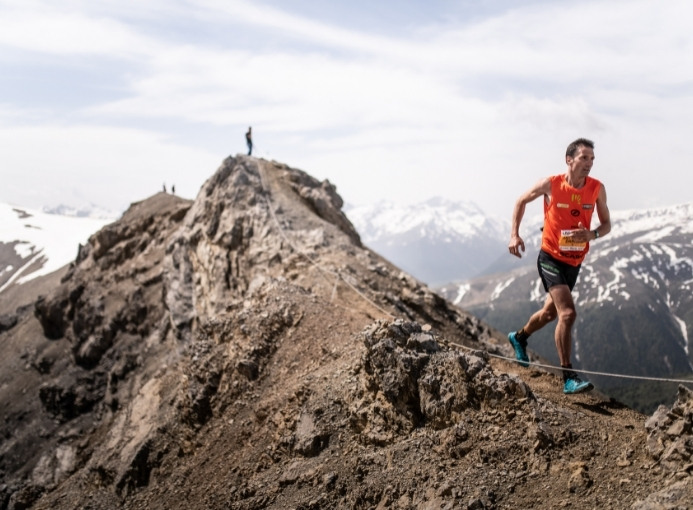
(565, 309)
(541, 317)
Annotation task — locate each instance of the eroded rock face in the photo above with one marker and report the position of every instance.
(670, 433)
(157, 286)
(424, 384)
(115, 289)
(7, 322)
(235, 235)
(101, 326)
(674, 497)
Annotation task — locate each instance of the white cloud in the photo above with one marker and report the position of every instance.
(43, 28)
(296, 27)
(474, 110)
(112, 167)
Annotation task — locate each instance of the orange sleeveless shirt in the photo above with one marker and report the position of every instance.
(568, 206)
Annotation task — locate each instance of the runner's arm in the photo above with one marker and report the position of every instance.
(603, 214)
(543, 187)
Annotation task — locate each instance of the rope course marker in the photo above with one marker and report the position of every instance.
(293, 246)
(591, 372)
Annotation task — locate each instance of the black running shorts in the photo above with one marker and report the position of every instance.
(554, 272)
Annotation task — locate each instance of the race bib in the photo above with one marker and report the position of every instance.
(567, 243)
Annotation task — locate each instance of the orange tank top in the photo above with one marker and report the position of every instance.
(567, 208)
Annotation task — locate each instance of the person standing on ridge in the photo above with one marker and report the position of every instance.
(569, 201)
(249, 140)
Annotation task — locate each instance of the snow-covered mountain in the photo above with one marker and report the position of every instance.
(35, 243)
(634, 295)
(437, 241)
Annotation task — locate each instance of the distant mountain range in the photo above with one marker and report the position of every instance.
(437, 241)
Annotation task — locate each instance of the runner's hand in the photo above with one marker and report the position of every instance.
(581, 234)
(516, 245)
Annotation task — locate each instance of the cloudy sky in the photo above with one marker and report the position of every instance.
(104, 101)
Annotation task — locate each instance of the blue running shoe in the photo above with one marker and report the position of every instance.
(576, 385)
(520, 351)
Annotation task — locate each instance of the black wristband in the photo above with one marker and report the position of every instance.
(596, 233)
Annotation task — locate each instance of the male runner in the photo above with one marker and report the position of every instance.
(569, 201)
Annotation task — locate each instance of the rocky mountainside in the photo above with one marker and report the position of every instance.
(634, 298)
(437, 241)
(245, 351)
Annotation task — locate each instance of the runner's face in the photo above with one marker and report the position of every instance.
(581, 164)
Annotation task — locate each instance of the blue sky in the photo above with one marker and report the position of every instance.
(105, 101)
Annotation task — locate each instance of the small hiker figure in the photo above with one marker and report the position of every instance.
(164, 187)
(173, 189)
(249, 140)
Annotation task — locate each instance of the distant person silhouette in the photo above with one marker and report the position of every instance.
(164, 187)
(249, 140)
(173, 189)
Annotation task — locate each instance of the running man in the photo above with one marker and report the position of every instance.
(569, 201)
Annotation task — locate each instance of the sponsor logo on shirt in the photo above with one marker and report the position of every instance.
(562, 206)
(587, 206)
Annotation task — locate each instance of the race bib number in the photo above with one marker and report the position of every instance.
(567, 243)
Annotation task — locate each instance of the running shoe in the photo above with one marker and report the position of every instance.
(520, 351)
(576, 385)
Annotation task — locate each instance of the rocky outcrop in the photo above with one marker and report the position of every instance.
(7, 322)
(670, 433)
(233, 238)
(426, 385)
(102, 327)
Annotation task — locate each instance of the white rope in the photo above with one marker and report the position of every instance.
(591, 372)
(326, 271)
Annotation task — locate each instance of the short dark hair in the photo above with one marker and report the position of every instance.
(573, 147)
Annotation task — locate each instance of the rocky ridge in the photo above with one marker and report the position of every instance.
(244, 350)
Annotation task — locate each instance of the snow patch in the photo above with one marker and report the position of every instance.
(500, 288)
(537, 293)
(684, 332)
(461, 292)
(49, 238)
